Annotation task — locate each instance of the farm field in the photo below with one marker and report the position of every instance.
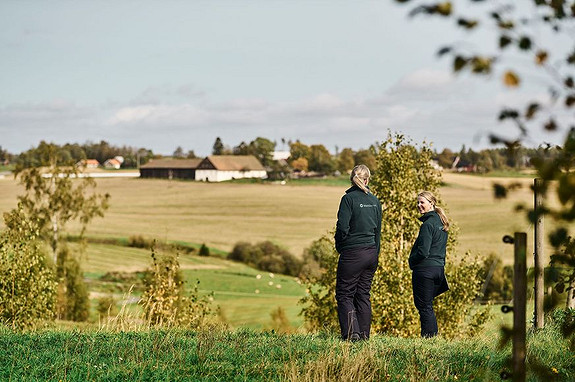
(292, 216)
(246, 297)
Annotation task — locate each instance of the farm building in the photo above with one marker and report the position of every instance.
(217, 168)
(170, 168)
(88, 163)
(112, 163)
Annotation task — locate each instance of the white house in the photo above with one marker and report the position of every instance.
(218, 168)
(112, 163)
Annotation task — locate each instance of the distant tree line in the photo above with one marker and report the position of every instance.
(303, 159)
(71, 153)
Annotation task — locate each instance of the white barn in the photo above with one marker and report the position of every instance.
(218, 168)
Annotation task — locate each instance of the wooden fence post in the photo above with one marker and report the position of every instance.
(519, 305)
(538, 257)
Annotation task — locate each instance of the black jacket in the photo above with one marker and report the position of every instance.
(430, 246)
(358, 220)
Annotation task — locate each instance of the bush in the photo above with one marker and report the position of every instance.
(498, 280)
(266, 256)
(73, 302)
(27, 285)
(204, 251)
(107, 306)
(163, 300)
(139, 241)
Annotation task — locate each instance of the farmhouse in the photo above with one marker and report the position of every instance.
(217, 168)
(170, 168)
(112, 163)
(88, 163)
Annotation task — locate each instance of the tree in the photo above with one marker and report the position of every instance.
(345, 161)
(241, 149)
(529, 33)
(54, 196)
(299, 164)
(299, 150)
(218, 147)
(262, 148)
(179, 152)
(320, 160)
(446, 158)
(27, 284)
(365, 157)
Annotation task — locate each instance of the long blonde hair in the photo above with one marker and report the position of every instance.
(431, 199)
(360, 176)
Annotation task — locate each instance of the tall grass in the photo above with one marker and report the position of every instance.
(216, 354)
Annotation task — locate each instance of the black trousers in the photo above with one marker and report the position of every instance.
(355, 271)
(427, 283)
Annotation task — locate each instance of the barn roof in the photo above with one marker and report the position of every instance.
(232, 163)
(173, 163)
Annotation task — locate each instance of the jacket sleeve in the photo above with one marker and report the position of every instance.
(378, 228)
(343, 220)
(422, 244)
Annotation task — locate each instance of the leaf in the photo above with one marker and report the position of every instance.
(571, 58)
(444, 8)
(504, 41)
(467, 24)
(541, 57)
(569, 82)
(444, 50)
(481, 65)
(499, 191)
(524, 43)
(459, 63)
(570, 100)
(531, 110)
(511, 79)
(506, 25)
(551, 125)
(508, 113)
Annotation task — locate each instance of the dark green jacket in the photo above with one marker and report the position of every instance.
(429, 247)
(358, 220)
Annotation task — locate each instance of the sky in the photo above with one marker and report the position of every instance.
(174, 73)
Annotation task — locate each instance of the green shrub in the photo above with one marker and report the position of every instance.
(266, 256)
(204, 250)
(27, 284)
(498, 279)
(73, 301)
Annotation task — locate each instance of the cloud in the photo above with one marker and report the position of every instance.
(426, 105)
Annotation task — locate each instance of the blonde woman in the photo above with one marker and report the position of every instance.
(427, 261)
(357, 239)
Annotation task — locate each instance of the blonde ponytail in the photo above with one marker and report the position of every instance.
(431, 199)
(360, 176)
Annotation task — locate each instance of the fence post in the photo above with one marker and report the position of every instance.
(519, 305)
(538, 256)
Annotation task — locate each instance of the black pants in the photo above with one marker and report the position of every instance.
(427, 283)
(355, 271)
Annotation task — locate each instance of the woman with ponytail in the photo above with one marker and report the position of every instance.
(357, 239)
(427, 261)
